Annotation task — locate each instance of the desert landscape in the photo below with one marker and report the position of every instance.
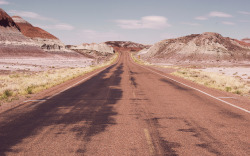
(208, 59)
(29, 54)
(149, 78)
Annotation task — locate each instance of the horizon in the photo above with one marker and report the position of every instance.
(145, 22)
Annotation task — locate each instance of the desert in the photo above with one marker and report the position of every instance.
(32, 59)
(208, 59)
(114, 78)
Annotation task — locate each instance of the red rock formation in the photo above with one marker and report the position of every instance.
(40, 37)
(13, 43)
(30, 31)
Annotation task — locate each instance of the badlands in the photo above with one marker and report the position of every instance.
(23, 46)
(31, 59)
(208, 59)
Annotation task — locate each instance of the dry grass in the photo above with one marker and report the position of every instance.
(215, 80)
(209, 79)
(20, 84)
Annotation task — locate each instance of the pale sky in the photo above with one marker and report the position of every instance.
(142, 21)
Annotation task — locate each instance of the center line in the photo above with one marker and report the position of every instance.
(149, 141)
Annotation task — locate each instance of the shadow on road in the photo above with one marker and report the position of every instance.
(84, 110)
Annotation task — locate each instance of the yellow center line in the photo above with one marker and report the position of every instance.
(149, 141)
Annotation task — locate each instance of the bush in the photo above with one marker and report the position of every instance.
(228, 89)
(29, 90)
(7, 93)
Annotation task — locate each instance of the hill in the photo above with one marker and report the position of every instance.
(206, 47)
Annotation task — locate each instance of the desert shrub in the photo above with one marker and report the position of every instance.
(228, 89)
(6, 94)
(29, 90)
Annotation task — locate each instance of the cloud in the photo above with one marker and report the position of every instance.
(201, 18)
(228, 23)
(146, 22)
(213, 14)
(60, 26)
(32, 15)
(219, 14)
(3, 2)
(191, 24)
(244, 12)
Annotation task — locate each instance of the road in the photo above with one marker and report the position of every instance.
(125, 109)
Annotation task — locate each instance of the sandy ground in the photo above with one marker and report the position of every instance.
(243, 72)
(41, 64)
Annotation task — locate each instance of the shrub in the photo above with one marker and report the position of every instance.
(29, 89)
(228, 89)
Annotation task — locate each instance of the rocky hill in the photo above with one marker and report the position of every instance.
(126, 45)
(207, 48)
(13, 42)
(41, 37)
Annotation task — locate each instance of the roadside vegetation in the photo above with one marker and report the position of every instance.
(18, 84)
(215, 80)
(212, 80)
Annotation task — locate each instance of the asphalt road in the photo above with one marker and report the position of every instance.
(125, 110)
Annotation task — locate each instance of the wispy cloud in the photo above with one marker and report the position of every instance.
(60, 26)
(146, 22)
(3, 2)
(244, 12)
(202, 18)
(228, 23)
(219, 14)
(31, 15)
(191, 24)
(213, 14)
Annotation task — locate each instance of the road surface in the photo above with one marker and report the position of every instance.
(125, 109)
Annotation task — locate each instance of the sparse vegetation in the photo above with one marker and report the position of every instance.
(142, 62)
(23, 84)
(215, 80)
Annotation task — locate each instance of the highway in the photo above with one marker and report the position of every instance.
(127, 109)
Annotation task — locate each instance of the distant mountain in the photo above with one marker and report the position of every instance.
(206, 47)
(101, 47)
(247, 40)
(41, 37)
(126, 45)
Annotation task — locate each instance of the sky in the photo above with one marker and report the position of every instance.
(143, 21)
